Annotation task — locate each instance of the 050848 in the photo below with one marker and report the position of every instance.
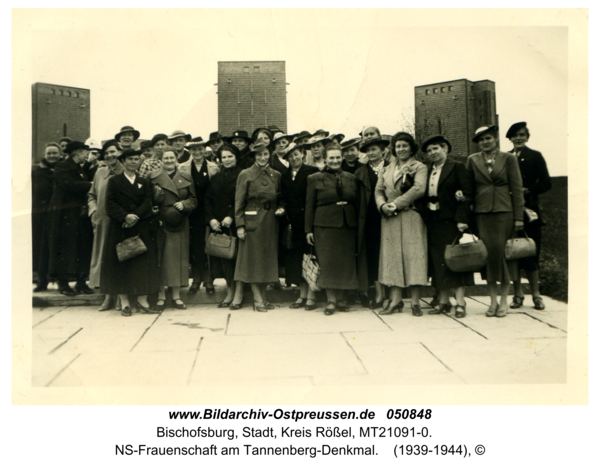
(406, 414)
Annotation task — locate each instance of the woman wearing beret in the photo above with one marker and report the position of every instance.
(403, 259)
(369, 221)
(201, 170)
(536, 180)
(257, 203)
(331, 226)
(219, 206)
(129, 206)
(178, 202)
(447, 217)
(498, 207)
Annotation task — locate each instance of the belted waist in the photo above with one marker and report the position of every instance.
(266, 205)
(338, 203)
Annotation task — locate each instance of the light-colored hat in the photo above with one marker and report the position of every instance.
(315, 140)
(178, 134)
(94, 144)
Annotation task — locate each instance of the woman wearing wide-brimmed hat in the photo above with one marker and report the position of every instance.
(257, 206)
(126, 137)
(498, 207)
(316, 145)
(280, 143)
(447, 216)
(178, 202)
(331, 222)
(201, 170)
(178, 140)
(403, 257)
(369, 221)
(129, 206)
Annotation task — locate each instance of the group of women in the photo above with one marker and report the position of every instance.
(384, 225)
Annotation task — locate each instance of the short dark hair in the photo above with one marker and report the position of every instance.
(228, 147)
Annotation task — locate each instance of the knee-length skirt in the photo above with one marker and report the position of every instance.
(403, 257)
(336, 252)
(495, 229)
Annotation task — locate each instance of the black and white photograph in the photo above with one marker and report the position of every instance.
(299, 206)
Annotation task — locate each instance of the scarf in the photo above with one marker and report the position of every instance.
(338, 179)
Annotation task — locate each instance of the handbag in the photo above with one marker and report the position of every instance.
(158, 195)
(465, 257)
(517, 248)
(130, 248)
(221, 246)
(311, 270)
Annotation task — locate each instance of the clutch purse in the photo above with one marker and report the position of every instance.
(221, 246)
(130, 248)
(311, 270)
(466, 257)
(517, 248)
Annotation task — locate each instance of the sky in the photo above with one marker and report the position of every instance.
(346, 69)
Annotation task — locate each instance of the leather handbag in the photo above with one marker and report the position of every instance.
(517, 248)
(130, 248)
(221, 246)
(311, 270)
(466, 257)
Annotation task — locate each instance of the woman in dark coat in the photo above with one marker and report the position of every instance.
(257, 203)
(219, 207)
(330, 225)
(536, 180)
(129, 206)
(447, 217)
(369, 224)
(498, 207)
(178, 202)
(71, 235)
(201, 170)
(294, 182)
(241, 140)
(42, 183)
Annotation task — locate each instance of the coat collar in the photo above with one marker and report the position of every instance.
(479, 160)
(446, 170)
(116, 171)
(162, 178)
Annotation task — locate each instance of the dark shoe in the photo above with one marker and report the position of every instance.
(224, 304)
(434, 301)
(310, 306)
(501, 312)
(68, 291)
(269, 306)
(330, 309)
(178, 303)
(146, 310)
(210, 290)
(341, 306)
(83, 288)
(194, 288)
(517, 302)
(391, 310)
(41, 288)
(364, 301)
(538, 303)
(118, 305)
(492, 311)
(374, 305)
(108, 303)
(416, 310)
(461, 311)
(160, 306)
(126, 311)
(235, 306)
(298, 304)
(260, 306)
(442, 308)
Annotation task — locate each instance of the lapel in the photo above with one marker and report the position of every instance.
(165, 182)
(479, 161)
(75, 167)
(446, 170)
(117, 171)
(132, 191)
(499, 164)
(301, 175)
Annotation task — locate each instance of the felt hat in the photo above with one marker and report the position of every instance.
(275, 129)
(320, 132)
(129, 153)
(339, 137)
(259, 145)
(371, 141)
(436, 139)
(483, 130)
(172, 219)
(351, 142)
(214, 137)
(65, 139)
(156, 138)
(514, 128)
(178, 133)
(195, 142)
(239, 134)
(145, 145)
(315, 140)
(291, 148)
(404, 136)
(280, 135)
(303, 134)
(74, 146)
(258, 130)
(125, 129)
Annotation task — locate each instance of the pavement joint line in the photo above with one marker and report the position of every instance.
(145, 331)
(542, 321)
(382, 320)
(447, 315)
(48, 317)
(354, 352)
(194, 362)
(63, 369)
(227, 324)
(473, 298)
(64, 342)
(439, 360)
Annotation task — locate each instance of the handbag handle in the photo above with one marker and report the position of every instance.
(515, 233)
(461, 234)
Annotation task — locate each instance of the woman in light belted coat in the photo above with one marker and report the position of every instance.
(403, 256)
(257, 203)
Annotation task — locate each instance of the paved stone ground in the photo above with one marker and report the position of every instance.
(77, 346)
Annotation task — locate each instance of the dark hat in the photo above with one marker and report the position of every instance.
(231, 148)
(291, 148)
(301, 135)
(145, 145)
(68, 140)
(74, 146)
(482, 130)
(338, 137)
(315, 140)
(275, 129)
(259, 145)
(436, 139)
(172, 219)
(125, 129)
(179, 133)
(106, 145)
(325, 133)
(404, 136)
(239, 134)
(156, 138)
(514, 128)
(214, 137)
(197, 141)
(129, 153)
(255, 133)
(333, 144)
(371, 141)
(351, 142)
